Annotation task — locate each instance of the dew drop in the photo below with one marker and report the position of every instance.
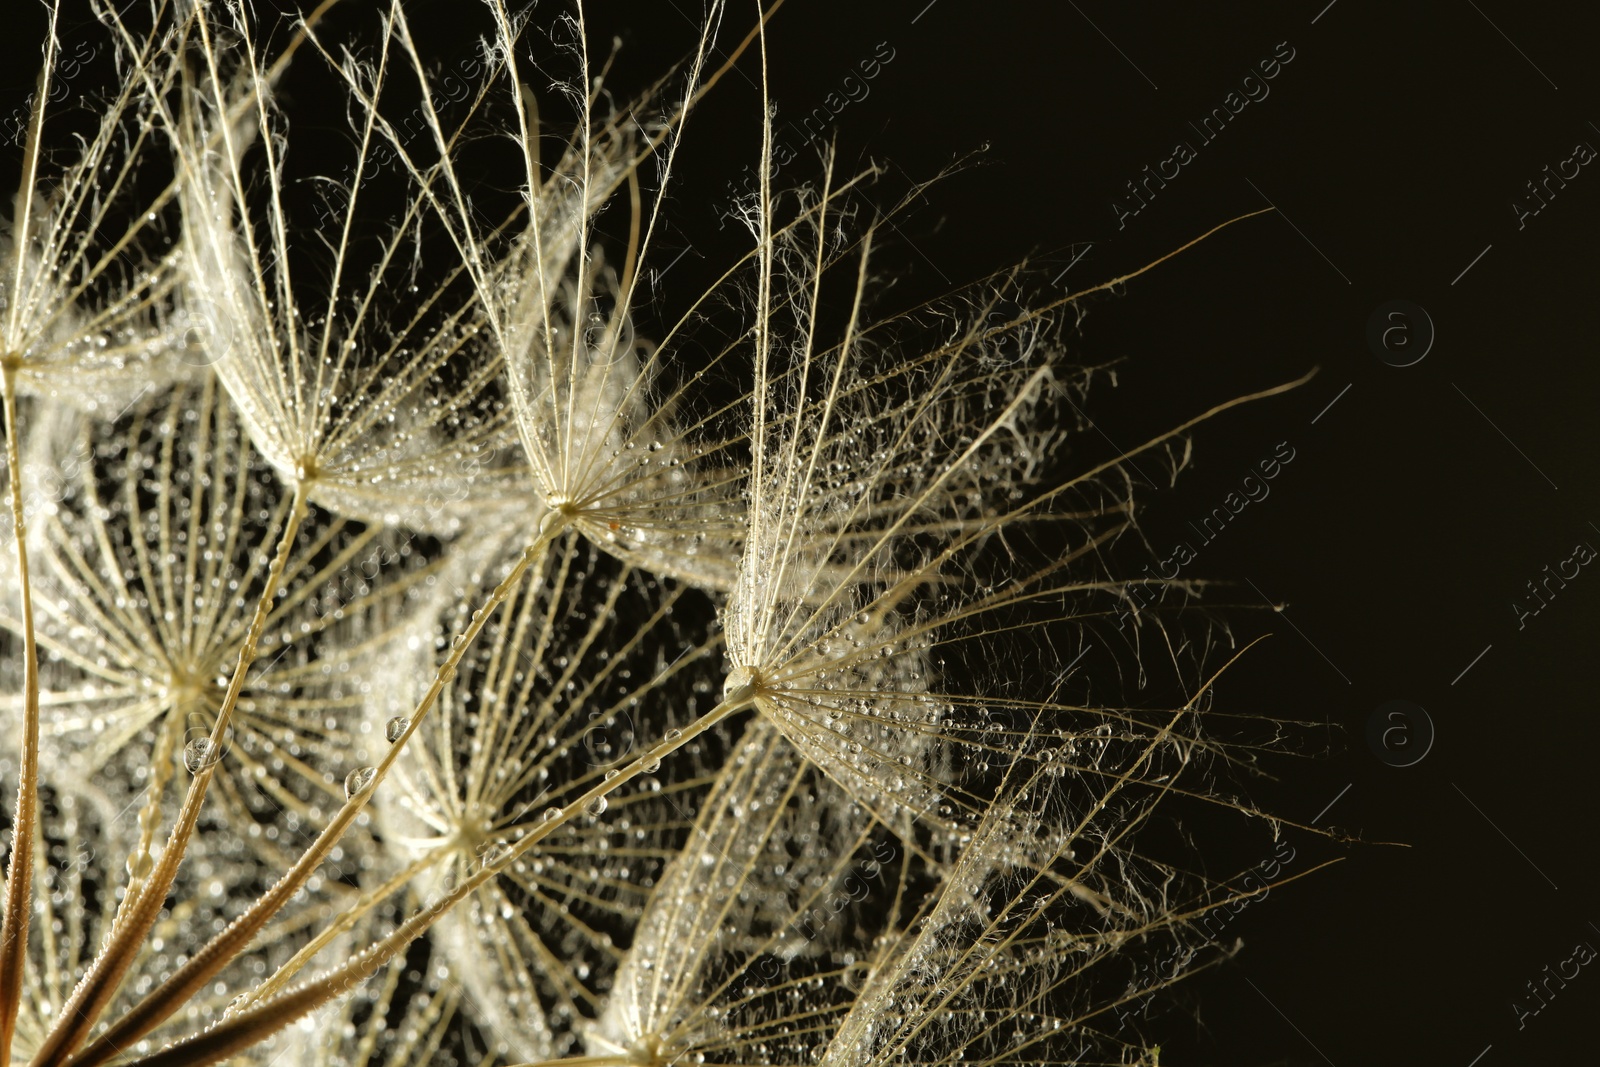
(197, 755)
(139, 866)
(652, 766)
(552, 814)
(358, 779)
(596, 807)
(395, 728)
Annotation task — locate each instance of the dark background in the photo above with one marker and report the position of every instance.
(1421, 500)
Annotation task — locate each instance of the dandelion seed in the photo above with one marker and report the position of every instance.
(853, 513)
(81, 298)
(386, 412)
(153, 558)
(478, 772)
(703, 976)
(606, 449)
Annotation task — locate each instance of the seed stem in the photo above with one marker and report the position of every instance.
(127, 937)
(267, 1017)
(19, 871)
(204, 964)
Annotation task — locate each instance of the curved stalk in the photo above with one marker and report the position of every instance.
(171, 994)
(344, 922)
(105, 975)
(260, 1022)
(19, 872)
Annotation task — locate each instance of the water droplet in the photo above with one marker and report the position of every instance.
(396, 727)
(358, 779)
(612, 773)
(652, 766)
(197, 755)
(596, 807)
(673, 735)
(552, 814)
(139, 866)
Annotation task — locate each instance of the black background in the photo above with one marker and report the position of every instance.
(1421, 499)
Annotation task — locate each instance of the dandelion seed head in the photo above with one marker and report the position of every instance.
(460, 554)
